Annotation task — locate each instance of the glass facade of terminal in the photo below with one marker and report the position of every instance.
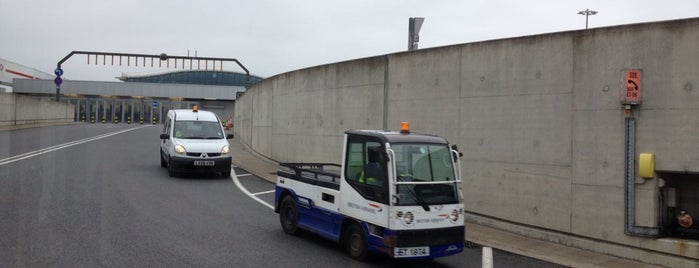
(213, 78)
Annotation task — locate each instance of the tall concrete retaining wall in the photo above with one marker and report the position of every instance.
(21, 110)
(538, 119)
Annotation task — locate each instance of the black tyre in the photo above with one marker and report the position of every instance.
(289, 215)
(163, 163)
(226, 174)
(355, 242)
(171, 169)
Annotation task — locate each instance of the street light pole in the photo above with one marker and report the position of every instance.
(587, 13)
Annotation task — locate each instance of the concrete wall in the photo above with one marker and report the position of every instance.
(18, 110)
(218, 99)
(538, 118)
(96, 88)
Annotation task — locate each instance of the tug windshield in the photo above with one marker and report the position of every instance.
(425, 174)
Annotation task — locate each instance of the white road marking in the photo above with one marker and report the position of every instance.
(265, 192)
(61, 146)
(243, 175)
(487, 257)
(234, 177)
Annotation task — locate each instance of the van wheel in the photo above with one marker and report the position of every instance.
(162, 160)
(226, 174)
(355, 242)
(289, 215)
(170, 168)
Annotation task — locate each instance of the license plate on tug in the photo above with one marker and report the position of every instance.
(411, 252)
(203, 163)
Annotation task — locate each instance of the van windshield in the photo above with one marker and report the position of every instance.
(197, 130)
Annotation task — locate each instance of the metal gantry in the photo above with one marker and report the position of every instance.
(145, 58)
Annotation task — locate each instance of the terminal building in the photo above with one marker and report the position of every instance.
(136, 99)
(10, 70)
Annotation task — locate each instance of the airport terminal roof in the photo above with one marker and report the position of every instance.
(195, 77)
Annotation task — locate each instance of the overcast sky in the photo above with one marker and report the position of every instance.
(272, 37)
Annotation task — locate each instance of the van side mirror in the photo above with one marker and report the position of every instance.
(164, 136)
(229, 136)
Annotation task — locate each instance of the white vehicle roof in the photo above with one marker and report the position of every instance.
(190, 115)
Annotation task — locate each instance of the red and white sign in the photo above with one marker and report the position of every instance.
(632, 87)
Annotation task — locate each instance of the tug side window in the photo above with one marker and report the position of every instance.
(365, 168)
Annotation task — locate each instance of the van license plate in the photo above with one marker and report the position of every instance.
(204, 163)
(411, 252)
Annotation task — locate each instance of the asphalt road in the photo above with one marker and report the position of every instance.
(95, 196)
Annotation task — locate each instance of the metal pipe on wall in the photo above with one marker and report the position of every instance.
(630, 227)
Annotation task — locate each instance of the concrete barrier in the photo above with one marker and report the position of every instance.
(538, 118)
(22, 110)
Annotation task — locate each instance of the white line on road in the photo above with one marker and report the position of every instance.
(243, 175)
(61, 146)
(234, 177)
(265, 192)
(487, 257)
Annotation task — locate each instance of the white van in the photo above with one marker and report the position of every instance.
(194, 141)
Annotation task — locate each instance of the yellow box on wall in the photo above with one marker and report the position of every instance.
(646, 165)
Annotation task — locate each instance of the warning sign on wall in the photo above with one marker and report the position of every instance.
(631, 91)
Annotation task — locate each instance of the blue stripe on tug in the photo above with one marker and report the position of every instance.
(450, 243)
(328, 224)
(317, 220)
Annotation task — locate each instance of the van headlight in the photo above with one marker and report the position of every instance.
(225, 149)
(180, 149)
